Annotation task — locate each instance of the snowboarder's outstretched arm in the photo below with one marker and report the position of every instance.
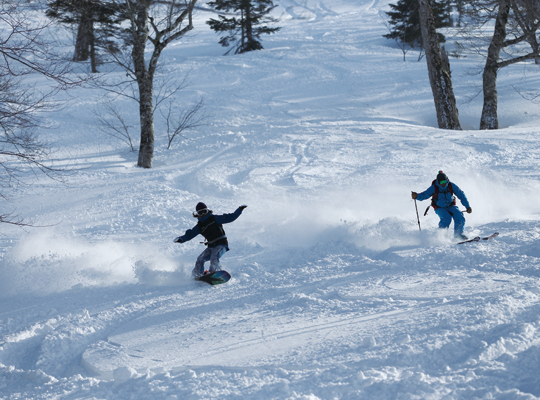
(190, 234)
(228, 218)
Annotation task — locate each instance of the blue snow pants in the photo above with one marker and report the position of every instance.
(212, 254)
(446, 214)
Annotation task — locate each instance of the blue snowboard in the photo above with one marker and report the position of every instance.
(215, 278)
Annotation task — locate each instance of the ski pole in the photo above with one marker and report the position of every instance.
(417, 216)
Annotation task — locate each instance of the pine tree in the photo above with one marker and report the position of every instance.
(94, 19)
(244, 31)
(405, 20)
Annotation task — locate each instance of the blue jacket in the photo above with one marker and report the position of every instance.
(445, 198)
(220, 220)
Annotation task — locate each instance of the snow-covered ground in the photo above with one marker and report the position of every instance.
(336, 294)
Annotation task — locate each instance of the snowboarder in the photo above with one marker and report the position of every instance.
(443, 201)
(211, 227)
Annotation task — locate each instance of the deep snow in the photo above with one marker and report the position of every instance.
(336, 294)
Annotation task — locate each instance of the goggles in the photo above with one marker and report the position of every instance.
(443, 182)
(200, 213)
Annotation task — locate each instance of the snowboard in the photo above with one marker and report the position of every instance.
(215, 278)
(478, 238)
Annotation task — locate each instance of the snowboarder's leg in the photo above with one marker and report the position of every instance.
(459, 221)
(217, 252)
(445, 216)
(199, 265)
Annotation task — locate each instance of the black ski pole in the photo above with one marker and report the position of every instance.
(417, 216)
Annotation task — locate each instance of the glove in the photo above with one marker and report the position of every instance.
(177, 240)
(469, 210)
(242, 207)
(414, 195)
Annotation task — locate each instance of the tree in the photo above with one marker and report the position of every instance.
(524, 16)
(516, 25)
(189, 118)
(244, 32)
(24, 53)
(459, 5)
(177, 119)
(405, 21)
(489, 119)
(153, 25)
(94, 19)
(439, 71)
(113, 123)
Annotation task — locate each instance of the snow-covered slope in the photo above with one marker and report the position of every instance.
(335, 291)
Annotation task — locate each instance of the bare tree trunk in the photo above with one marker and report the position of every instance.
(249, 27)
(141, 20)
(439, 75)
(459, 9)
(146, 110)
(85, 43)
(93, 61)
(144, 82)
(84, 36)
(243, 45)
(489, 118)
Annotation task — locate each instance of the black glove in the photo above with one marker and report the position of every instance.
(242, 207)
(414, 195)
(177, 240)
(469, 210)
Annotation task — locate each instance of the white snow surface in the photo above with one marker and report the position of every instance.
(336, 293)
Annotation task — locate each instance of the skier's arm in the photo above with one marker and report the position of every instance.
(228, 218)
(461, 196)
(426, 194)
(190, 234)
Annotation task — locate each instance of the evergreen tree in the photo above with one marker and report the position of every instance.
(405, 20)
(95, 20)
(244, 31)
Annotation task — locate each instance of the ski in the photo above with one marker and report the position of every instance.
(478, 238)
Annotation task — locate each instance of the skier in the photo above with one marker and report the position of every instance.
(443, 201)
(211, 227)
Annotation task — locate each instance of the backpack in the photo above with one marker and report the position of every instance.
(212, 232)
(435, 196)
